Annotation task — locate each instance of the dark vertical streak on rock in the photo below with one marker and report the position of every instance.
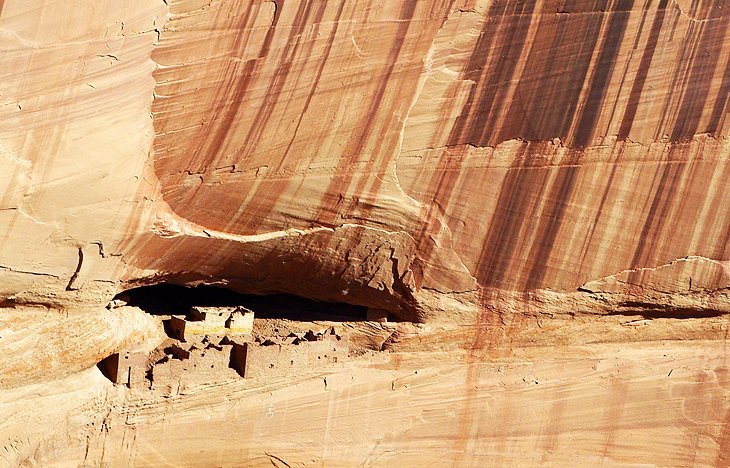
(266, 46)
(343, 174)
(680, 69)
(588, 241)
(683, 201)
(523, 185)
(720, 206)
(720, 109)
(656, 217)
(441, 186)
(518, 195)
(473, 71)
(698, 83)
(470, 125)
(318, 76)
(545, 102)
(279, 79)
(645, 11)
(510, 27)
(272, 97)
(549, 226)
(524, 103)
(641, 75)
(590, 111)
(274, 190)
(384, 147)
(511, 50)
(236, 85)
(559, 196)
(673, 27)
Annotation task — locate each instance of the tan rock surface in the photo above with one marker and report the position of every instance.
(385, 150)
(543, 183)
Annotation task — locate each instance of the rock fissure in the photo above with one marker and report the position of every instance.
(26, 272)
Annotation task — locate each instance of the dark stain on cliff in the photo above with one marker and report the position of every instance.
(236, 83)
(521, 189)
(549, 226)
(285, 66)
(546, 103)
(646, 58)
(492, 66)
(720, 108)
(343, 175)
(704, 59)
(271, 190)
(598, 86)
(554, 97)
(515, 18)
(657, 215)
(526, 182)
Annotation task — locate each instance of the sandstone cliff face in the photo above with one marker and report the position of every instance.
(483, 144)
(358, 152)
(469, 162)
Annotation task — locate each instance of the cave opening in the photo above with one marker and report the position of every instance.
(172, 299)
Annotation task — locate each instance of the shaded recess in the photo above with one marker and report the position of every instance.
(109, 367)
(650, 310)
(169, 299)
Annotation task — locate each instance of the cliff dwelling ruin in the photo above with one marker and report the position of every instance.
(215, 334)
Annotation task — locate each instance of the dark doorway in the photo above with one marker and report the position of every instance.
(109, 366)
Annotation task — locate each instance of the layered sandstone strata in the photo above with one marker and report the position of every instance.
(468, 162)
(378, 154)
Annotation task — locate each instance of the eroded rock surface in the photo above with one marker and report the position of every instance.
(548, 174)
(362, 153)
